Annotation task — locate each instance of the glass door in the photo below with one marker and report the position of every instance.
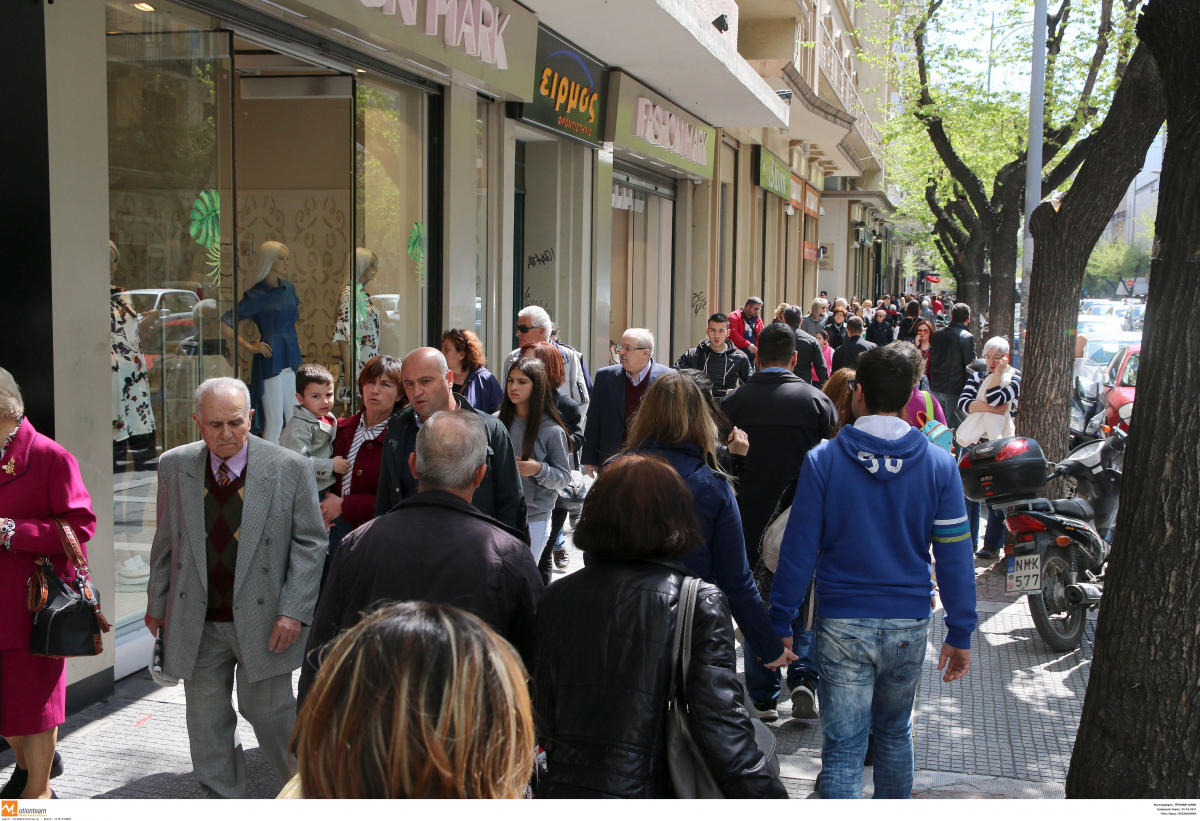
(642, 266)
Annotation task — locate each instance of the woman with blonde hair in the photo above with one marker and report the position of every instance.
(674, 423)
(783, 306)
(840, 389)
(417, 700)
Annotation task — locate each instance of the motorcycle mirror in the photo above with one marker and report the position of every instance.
(1125, 411)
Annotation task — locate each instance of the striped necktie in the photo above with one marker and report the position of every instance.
(223, 475)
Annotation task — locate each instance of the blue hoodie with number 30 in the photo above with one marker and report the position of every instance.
(870, 507)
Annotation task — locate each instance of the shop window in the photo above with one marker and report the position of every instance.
(482, 121)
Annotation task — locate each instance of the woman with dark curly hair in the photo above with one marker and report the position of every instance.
(467, 360)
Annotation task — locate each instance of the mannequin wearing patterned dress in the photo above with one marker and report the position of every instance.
(364, 316)
(133, 417)
(271, 303)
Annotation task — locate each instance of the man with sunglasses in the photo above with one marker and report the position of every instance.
(619, 392)
(533, 326)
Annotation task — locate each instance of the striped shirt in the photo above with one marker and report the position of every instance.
(996, 396)
(361, 434)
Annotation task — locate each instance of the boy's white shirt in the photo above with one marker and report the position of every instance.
(883, 427)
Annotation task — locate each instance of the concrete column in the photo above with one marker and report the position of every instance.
(77, 116)
(459, 208)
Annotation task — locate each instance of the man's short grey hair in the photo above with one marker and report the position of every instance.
(12, 406)
(644, 338)
(997, 343)
(538, 318)
(451, 446)
(221, 384)
(913, 354)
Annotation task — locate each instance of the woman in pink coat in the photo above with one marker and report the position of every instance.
(39, 481)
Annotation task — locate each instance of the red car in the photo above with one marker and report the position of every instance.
(1120, 383)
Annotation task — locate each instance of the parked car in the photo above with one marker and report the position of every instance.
(1120, 385)
(1135, 317)
(1090, 325)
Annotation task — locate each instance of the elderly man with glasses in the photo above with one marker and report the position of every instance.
(533, 326)
(618, 392)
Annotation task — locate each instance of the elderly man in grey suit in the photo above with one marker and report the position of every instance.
(234, 573)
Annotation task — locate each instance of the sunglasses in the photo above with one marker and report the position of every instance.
(524, 328)
(851, 383)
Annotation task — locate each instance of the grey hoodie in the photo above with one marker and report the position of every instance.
(550, 448)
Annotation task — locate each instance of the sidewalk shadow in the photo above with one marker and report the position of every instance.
(261, 782)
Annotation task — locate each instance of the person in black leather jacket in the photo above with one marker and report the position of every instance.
(602, 684)
(950, 355)
(808, 351)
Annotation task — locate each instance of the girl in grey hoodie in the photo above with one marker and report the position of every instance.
(539, 438)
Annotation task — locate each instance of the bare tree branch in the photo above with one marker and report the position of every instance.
(1061, 172)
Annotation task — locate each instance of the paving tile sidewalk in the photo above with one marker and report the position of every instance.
(1005, 731)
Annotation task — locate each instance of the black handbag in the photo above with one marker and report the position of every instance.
(67, 621)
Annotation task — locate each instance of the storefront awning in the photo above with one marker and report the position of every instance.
(670, 46)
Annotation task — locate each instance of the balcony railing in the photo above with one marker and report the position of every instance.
(844, 86)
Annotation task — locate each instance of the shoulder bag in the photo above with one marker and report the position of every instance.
(66, 622)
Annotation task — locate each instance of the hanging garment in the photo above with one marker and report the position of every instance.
(132, 414)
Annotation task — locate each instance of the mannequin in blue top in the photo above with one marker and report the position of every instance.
(272, 304)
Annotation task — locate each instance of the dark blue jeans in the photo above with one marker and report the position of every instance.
(763, 684)
(870, 669)
(993, 539)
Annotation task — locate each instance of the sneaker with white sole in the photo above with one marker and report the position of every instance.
(766, 710)
(804, 701)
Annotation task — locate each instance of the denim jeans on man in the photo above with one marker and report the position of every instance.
(763, 684)
(870, 669)
(993, 538)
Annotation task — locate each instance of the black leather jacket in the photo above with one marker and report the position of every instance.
(951, 353)
(601, 680)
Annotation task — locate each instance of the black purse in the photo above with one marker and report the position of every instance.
(66, 622)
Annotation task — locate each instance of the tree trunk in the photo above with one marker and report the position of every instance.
(1140, 732)
(1003, 247)
(1063, 242)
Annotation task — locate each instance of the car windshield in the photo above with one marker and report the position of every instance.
(1129, 377)
(142, 302)
(1102, 351)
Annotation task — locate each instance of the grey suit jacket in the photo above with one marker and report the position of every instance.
(281, 551)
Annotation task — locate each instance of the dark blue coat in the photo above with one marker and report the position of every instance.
(605, 429)
(482, 390)
(722, 559)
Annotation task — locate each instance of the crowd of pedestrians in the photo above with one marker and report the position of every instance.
(401, 558)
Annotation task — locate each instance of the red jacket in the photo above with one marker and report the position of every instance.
(737, 330)
(43, 483)
(359, 505)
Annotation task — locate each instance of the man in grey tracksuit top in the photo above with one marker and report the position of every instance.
(724, 364)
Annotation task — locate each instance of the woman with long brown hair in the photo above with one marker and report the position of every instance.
(568, 409)
(674, 423)
(417, 700)
(539, 437)
(840, 390)
(923, 331)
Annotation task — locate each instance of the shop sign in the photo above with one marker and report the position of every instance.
(493, 40)
(569, 90)
(812, 201)
(797, 192)
(647, 123)
(811, 251)
(774, 174)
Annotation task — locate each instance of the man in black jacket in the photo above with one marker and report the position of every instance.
(853, 347)
(879, 332)
(784, 418)
(950, 355)
(428, 384)
(435, 547)
(808, 350)
(725, 365)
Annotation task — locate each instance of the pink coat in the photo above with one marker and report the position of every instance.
(39, 480)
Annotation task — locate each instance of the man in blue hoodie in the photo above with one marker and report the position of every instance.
(874, 576)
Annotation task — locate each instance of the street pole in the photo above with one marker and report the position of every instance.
(1033, 154)
(991, 43)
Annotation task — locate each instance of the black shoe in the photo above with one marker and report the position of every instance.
(987, 554)
(16, 783)
(561, 560)
(804, 700)
(766, 710)
(56, 766)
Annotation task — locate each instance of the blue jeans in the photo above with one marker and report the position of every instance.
(870, 669)
(763, 684)
(994, 538)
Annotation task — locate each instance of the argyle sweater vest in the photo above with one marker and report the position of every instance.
(633, 398)
(222, 525)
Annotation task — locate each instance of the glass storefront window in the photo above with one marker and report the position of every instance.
(483, 113)
(170, 257)
(327, 175)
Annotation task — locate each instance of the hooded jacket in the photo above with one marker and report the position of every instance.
(902, 494)
(726, 369)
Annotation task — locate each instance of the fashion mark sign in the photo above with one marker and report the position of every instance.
(658, 126)
(570, 90)
(476, 26)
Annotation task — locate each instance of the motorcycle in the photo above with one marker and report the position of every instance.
(1061, 547)
(1087, 412)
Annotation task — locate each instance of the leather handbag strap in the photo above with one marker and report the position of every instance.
(687, 610)
(70, 545)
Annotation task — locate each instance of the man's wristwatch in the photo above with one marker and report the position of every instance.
(7, 528)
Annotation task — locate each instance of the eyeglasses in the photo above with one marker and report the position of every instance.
(999, 358)
(524, 328)
(624, 349)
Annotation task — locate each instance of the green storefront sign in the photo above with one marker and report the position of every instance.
(569, 90)
(774, 174)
